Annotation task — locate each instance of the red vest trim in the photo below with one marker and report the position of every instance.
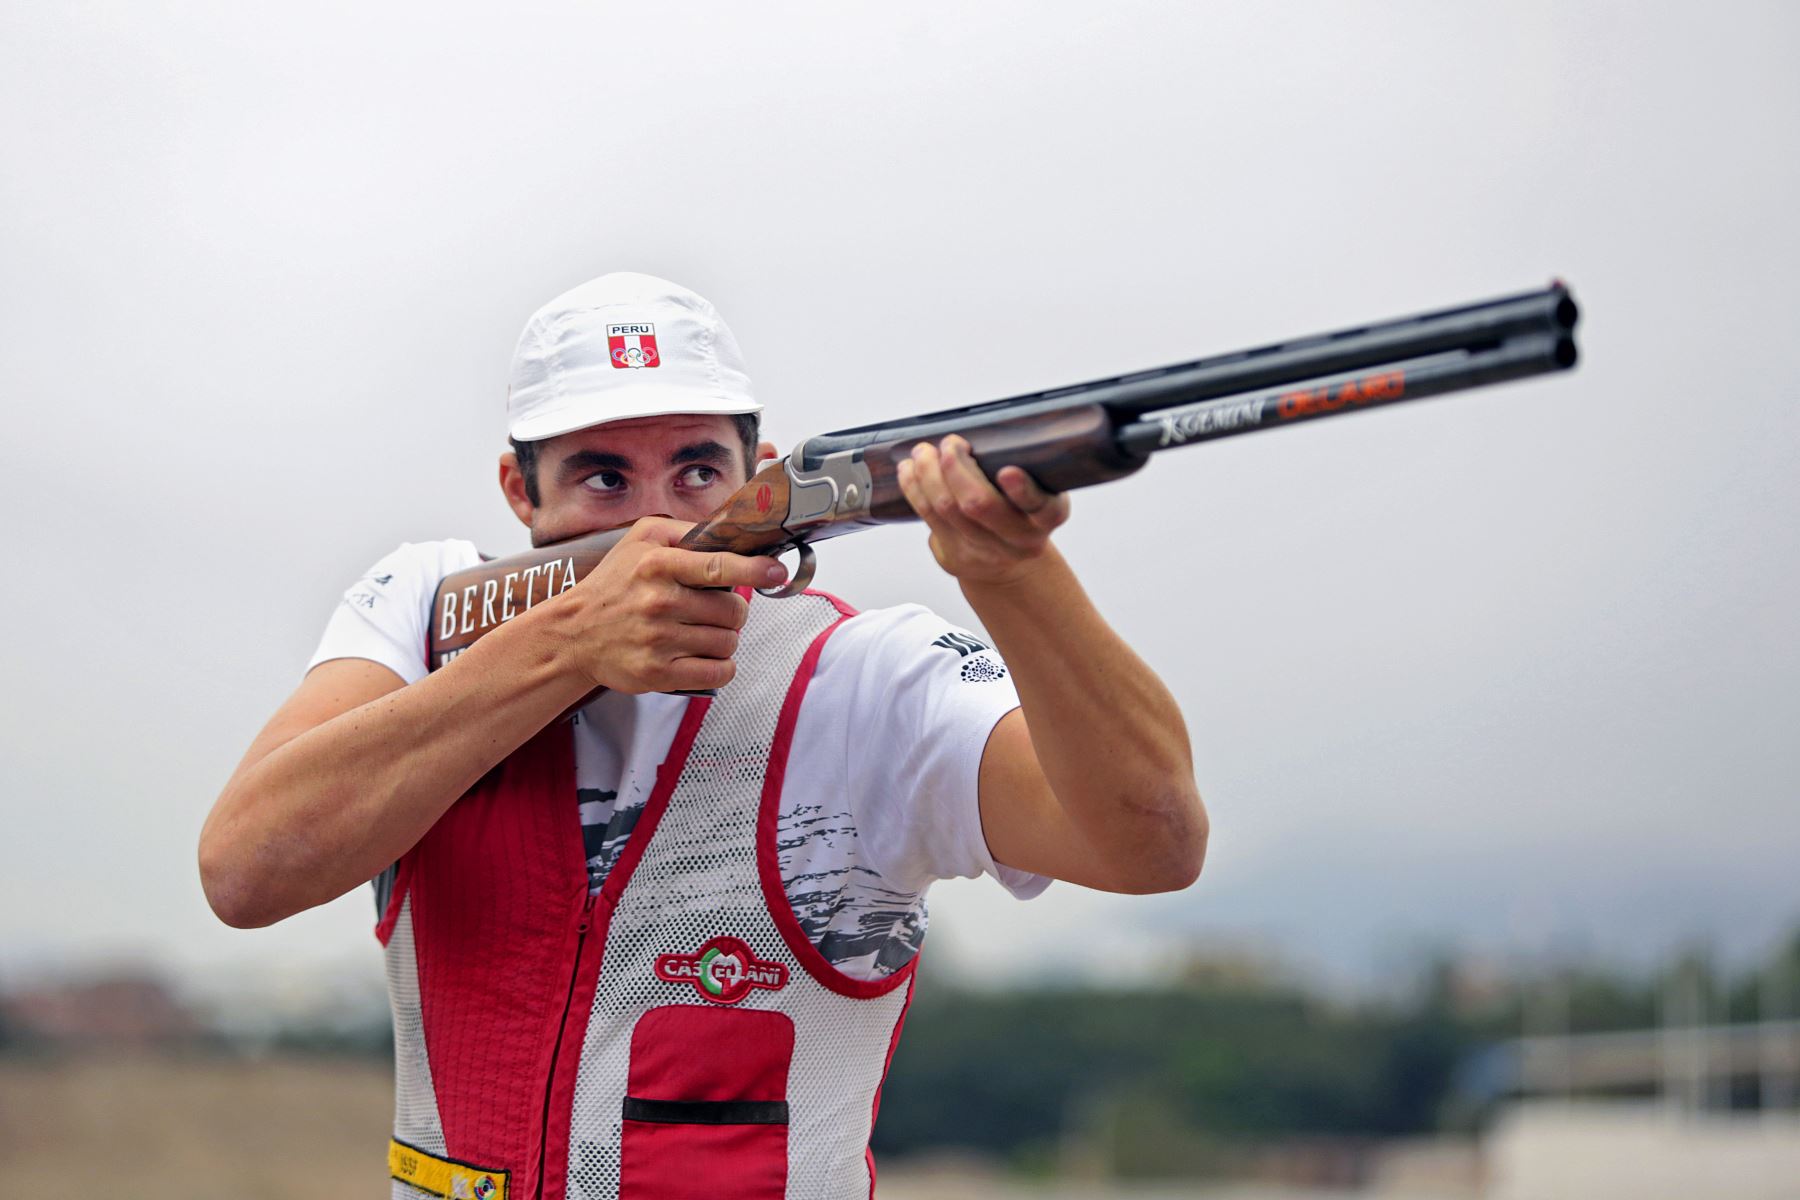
(768, 866)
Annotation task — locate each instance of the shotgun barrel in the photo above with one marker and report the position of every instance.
(1468, 328)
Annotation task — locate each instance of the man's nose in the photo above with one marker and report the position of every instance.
(663, 501)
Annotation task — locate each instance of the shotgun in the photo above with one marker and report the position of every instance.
(1066, 438)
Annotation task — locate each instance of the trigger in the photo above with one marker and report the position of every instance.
(802, 576)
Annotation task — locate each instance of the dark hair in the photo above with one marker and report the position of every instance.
(749, 428)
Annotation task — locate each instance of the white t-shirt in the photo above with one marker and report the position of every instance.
(895, 720)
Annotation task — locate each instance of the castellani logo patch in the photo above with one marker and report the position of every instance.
(723, 970)
(632, 345)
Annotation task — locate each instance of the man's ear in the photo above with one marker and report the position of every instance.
(764, 452)
(512, 484)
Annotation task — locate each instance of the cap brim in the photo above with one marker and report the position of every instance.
(624, 404)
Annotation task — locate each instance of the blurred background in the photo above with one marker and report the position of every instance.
(1493, 697)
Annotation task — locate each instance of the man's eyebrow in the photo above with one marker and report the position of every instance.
(585, 462)
(701, 452)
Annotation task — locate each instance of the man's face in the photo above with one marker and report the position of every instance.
(681, 466)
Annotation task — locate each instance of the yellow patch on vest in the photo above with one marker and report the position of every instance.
(444, 1176)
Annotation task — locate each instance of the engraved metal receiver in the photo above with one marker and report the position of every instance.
(783, 508)
(832, 498)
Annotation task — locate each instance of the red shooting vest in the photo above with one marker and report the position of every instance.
(675, 1035)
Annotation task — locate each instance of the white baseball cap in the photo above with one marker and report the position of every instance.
(623, 345)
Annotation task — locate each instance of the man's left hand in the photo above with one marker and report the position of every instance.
(980, 533)
(1091, 779)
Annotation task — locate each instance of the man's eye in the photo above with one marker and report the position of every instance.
(699, 476)
(604, 481)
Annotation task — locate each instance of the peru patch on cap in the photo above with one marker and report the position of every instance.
(632, 345)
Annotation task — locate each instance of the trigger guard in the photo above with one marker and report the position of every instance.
(802, 576)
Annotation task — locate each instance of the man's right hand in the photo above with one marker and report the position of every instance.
(356, 766)
(653, 617)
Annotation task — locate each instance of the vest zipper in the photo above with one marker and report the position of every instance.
(581, 932)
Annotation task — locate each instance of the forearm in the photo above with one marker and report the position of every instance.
(1107, 734)
(328, 810)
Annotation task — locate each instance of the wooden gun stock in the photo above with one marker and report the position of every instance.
(478, 600)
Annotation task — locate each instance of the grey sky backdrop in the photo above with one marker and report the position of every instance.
(1512, 671)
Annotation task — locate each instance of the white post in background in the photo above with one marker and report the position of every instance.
(1700, 1015)
(1681, 1039)
(1778, 1042)
(1544, 1018)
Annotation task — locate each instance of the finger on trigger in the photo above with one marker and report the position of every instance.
(723, 569)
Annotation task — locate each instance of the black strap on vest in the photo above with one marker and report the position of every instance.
(707, 1112)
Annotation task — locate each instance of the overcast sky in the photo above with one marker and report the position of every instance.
(1510, 671)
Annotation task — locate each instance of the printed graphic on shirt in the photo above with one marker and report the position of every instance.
(605, 828)
(962, 643)
(364, 597)
(982, 669)
(859, 924)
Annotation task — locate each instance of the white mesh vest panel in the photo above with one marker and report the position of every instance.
(416, 1119)
(698, 879)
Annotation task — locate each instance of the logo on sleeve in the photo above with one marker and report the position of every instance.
(962, 643)
(632, 345)
(723, 970)
(982, 669)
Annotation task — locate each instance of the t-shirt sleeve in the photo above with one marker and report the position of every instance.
(919, 697)
(382, 616)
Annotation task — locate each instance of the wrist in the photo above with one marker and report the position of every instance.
(547, 642)
(1020, 584)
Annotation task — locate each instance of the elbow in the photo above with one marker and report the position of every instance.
(1170, 858)
(231, 901)
(1175, 870)
(1187, 872)
(232, 892)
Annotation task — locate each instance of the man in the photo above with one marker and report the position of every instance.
(664, 949)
